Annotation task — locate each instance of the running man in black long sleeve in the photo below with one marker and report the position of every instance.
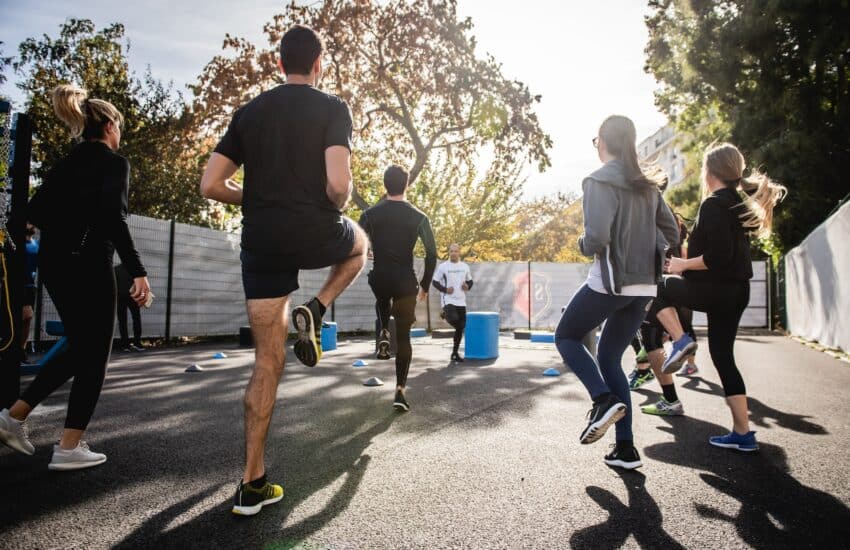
(394, 225)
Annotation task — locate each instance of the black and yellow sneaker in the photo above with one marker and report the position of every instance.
(308, 322)
(251, 497)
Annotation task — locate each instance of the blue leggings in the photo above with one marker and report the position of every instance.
(623, 316)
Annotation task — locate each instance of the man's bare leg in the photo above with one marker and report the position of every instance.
(669, 319)
(343, 274)
(269, 327)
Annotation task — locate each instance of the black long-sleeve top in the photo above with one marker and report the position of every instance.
(721, 239)
(85, 195)
(393, 228)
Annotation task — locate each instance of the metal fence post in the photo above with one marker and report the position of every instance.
(529, 294)
(169, 292)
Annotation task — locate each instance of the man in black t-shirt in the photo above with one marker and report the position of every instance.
(294, 143)
(394, 225)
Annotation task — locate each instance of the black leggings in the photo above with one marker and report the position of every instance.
(393, 296)
(126, 303)
(456, 317)
(84, 296)
(724, 305)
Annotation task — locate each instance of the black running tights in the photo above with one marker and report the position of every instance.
(724, 305)
(404, 310)
(84, 296)
(457, 319)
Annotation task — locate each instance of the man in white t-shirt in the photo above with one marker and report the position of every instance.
(453, 279)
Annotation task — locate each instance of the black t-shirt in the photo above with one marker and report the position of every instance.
(280, 138)
(393, 228)
(721, 239)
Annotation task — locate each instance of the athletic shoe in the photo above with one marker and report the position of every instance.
(688, 369)
(628, 459)
(642, 356)
(640, 377)
(400, 403)
(664, 408)
(733, 440)
(457, 358)
(126, 349)
(75, 459)
(14, 433)
(384, 345)
(308, 323)
(136, 347)
(250, 501)
(601, 417)
(681, 349)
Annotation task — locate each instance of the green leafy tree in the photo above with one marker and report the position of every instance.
(547, 229)
(770, 77)
(157, 137)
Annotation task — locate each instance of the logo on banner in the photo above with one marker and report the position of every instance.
(541, 296)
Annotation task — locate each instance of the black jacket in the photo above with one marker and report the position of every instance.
(81, 209)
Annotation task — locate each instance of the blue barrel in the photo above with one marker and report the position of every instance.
(328, 336)
(482, 335)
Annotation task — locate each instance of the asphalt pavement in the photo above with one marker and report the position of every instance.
(487, 458)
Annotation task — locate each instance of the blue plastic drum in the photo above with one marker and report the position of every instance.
(482, 335)
(328, 336)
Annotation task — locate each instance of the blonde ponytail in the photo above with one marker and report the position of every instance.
(83, 116)
(761, 194)
(68, 106)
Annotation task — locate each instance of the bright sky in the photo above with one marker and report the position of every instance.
(585, 58)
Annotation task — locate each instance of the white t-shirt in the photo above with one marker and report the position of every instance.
(594, 281)
(453, 275)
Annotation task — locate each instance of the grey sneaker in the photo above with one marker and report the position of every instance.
(75, 459)
(664, 408)
(14, 433)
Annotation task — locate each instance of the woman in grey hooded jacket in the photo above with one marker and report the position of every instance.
(626, 227)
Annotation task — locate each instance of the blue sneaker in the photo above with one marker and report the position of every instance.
(733, 440)
(682, 348)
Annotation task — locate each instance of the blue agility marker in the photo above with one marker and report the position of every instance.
(219, 355)
(547, 337)
(417, 333)
(551, 372)
(360, 363)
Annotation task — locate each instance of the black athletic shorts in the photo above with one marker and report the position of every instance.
(276, 275)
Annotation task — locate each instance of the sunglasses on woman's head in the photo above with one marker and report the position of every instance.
(595, 142)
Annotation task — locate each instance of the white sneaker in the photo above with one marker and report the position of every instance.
(14, 433)
(75, 459)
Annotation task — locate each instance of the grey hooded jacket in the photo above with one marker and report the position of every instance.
(626, 227)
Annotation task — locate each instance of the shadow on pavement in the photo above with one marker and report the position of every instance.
(174, 442)
(640, 517)
(775, 509)
(331, 460)
(759, 412)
